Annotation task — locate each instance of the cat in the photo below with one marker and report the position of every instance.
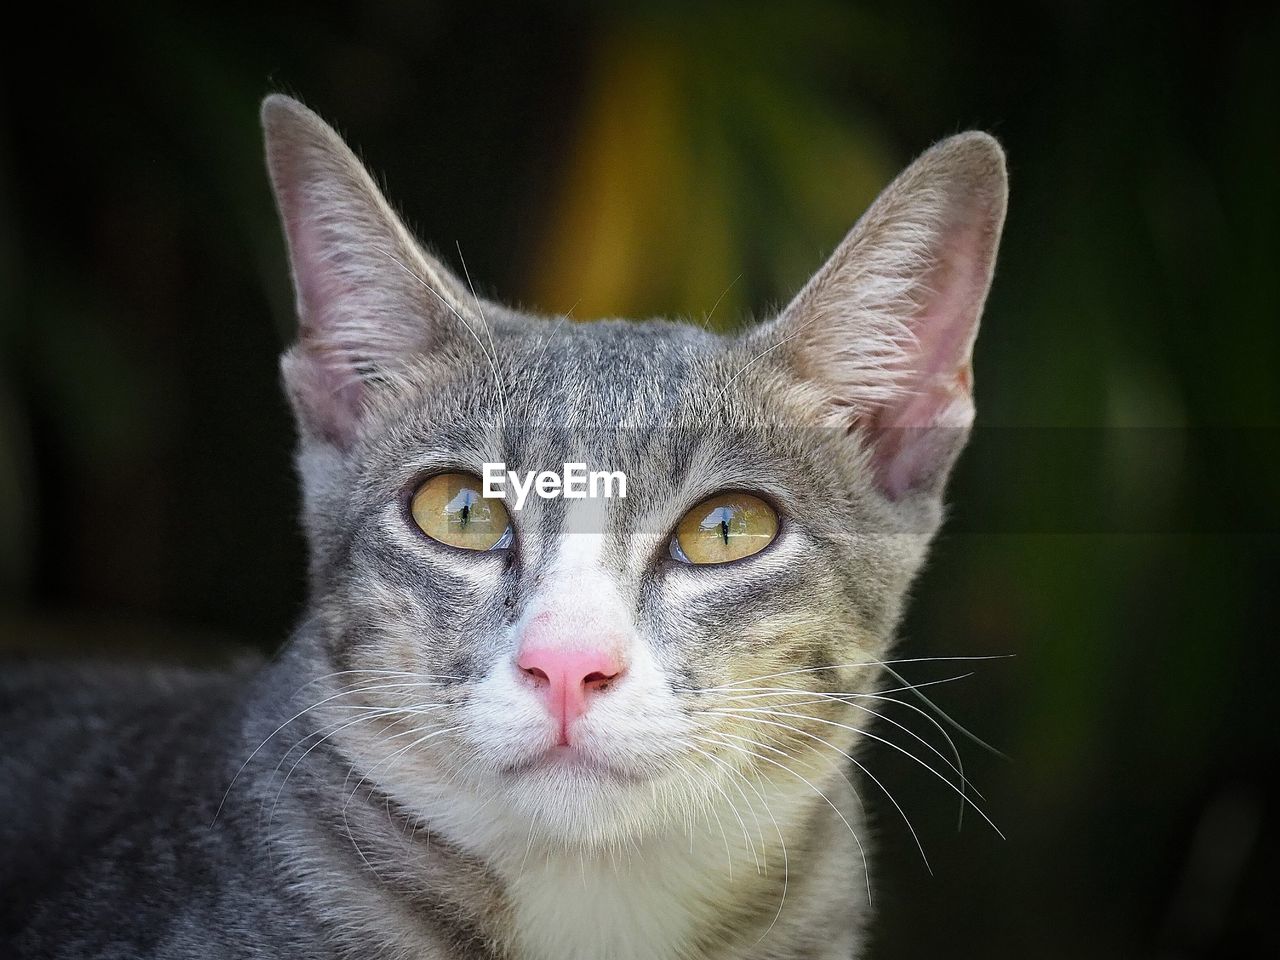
(588, 729)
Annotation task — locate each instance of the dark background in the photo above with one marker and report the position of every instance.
(1115, 521)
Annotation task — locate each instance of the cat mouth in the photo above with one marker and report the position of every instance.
(570, 761)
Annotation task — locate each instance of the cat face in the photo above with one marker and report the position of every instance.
(594, 669)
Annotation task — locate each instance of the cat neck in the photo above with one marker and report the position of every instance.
(716, 886)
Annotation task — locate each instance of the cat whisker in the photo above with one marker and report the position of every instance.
(712, 808)
(734, 776)
(493, 360)
(502, 397)
(376, 673)
(782, 843)
(364, 712)
(956, 766)
(275, 732)
(545, 342)
(734, 808)
(946, 717)
(874, 779)
(421, 740)
(706, 320)
(845, 666)
(384, 688)
(867, 733)
(881, 695)
(370, 713)
(752, 693)
(719, 738)
(395, 715)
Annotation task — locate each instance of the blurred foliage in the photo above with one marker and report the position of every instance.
(1115, 521)
(708, 161)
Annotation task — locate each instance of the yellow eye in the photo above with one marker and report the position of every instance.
(728, 526)
(449, 508)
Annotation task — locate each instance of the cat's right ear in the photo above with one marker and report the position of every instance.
(367, 295)
(885, 330)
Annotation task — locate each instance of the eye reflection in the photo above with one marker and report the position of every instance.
(450, 509)
(723, 528)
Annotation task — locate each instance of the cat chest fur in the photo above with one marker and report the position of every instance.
(650, 902)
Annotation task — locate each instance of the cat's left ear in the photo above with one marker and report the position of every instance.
(886, 328)
(368, 297)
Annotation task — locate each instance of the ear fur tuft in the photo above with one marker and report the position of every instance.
(886, 327)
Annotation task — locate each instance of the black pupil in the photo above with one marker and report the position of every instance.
(724, 530)
(466, 511)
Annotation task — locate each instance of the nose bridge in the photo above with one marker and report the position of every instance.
(580, 604)
(577, 624)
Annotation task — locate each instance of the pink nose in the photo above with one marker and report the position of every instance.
(566, 677)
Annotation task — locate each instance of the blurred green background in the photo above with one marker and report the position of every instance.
(1115, 521)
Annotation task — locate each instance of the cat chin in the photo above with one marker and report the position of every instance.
(562, 797)
(583, 806)
(590, 813)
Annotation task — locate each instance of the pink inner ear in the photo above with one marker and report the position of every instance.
(324, 379)
(917, 453)
(916, 437)
(326, 397)
(348, 252)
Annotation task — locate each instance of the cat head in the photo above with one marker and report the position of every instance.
(592, 668)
